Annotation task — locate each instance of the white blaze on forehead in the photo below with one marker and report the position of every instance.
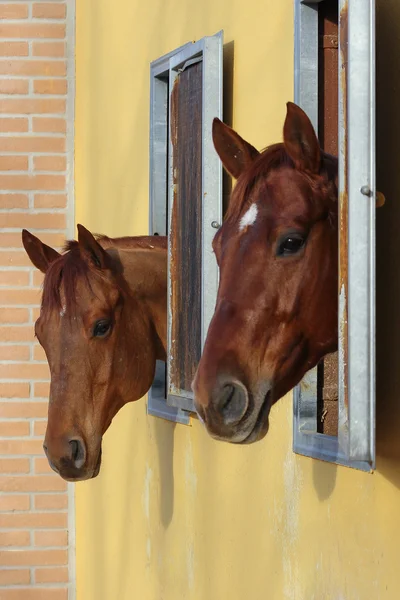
(249, 218)
(63, 310)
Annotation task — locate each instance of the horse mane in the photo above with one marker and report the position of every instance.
(138, 241)
(70, 267)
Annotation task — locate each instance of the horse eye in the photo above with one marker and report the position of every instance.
(101, 328)
(291, 244)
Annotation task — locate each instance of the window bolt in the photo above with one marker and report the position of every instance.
(366, 190)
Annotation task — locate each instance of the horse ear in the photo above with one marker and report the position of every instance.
(235, 153)
(40, 254)
(90, 249)
(300, 140)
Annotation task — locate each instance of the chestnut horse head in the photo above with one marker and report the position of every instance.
(277, 250)
(102, 325)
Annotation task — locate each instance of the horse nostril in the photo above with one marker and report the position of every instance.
(78, 453)
(233, 402)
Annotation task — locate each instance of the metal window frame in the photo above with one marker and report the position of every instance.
(210, 50)
(355, 444)
(159, 136)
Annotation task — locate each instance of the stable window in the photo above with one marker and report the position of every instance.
(186, 204)
(334, 406)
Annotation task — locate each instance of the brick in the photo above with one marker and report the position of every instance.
(15, 538)
(13, 465)
(13, 200)
(49, 125)
(14, 86)
(30, 558)
(13, 11)
(42, 466)
(50, 200)
(11, 502)
(14, 278)
(13, 240)
(38, 278)
(13, 258)
(19, 296)
(34, 594)
(49, 10)
(49, 49)
(14, 390)
(29, 106)
(43, 520)
(39, 429)
(14, 49)
(32, 144)
(15, 410)
(17, 353)
(34, 221)
(51, 575)
(13, 163)
(14, 577)
(33, 483)
(29, 68)
(16, 334)
(49, 163)
(13, 315)
(14, 428)
(38, 352)
(24, 371)
(50, 538)
(50, 86)
(13, 125)
(32, 30)
(21, 447)
(41, 389)
(50, 501)
(34, 182)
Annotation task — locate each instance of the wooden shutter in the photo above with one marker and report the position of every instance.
(195, 201)
(328, 99)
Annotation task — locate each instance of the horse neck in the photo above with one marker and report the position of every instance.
(145, 272)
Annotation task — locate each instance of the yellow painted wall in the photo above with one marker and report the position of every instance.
(175, 515)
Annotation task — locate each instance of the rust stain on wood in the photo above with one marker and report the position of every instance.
(185, 234)
(344, 196)
(327, 373)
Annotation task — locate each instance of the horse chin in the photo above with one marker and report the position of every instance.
(261, 426)
(97, 467)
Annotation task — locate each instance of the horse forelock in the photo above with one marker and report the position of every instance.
(61, 280)
(271, 159)
(62, 277)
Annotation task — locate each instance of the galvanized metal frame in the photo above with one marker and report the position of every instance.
(355, 444)
(159, 101)
(210, 51)
(357, 181)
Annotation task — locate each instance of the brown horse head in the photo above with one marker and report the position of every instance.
(277, 250)
(102, 325)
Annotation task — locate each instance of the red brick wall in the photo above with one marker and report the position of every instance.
(36, 122)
